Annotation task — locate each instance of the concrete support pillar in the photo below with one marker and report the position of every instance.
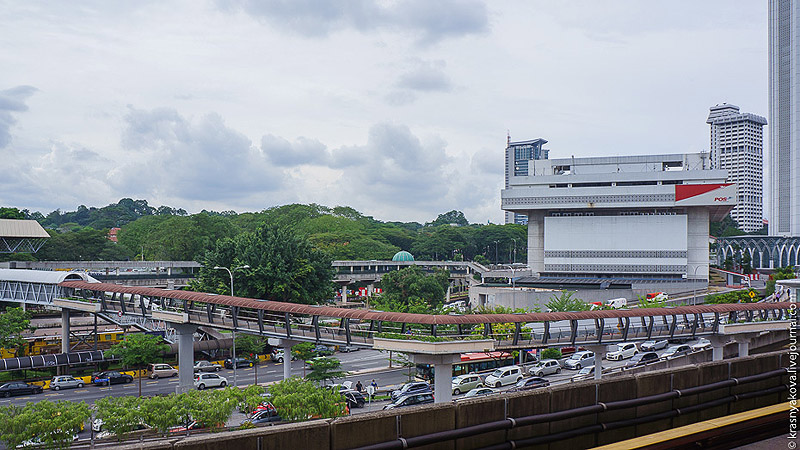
(443, 382)
(63, 370)
(287, 360)
(744, 347)
(536, 242)
(718, 346)
(370, 289)
(743, 339)
(599, 353)
(443, 373)
(344, 293)
(64, 330)
(697, 243)
(185, 335)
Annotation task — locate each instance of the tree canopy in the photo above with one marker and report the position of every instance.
(138, 350)
(284, 266)
(412, 290)
(13, 321)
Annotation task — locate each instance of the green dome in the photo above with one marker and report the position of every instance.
(402, 255)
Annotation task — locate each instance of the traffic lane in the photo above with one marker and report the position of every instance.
(268, 372)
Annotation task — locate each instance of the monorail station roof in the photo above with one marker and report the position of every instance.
(21, 236)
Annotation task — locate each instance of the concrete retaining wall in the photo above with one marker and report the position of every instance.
(382, 426)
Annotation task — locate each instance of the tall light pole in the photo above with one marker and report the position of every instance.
(514, 260)
(233, 357)
(496, 260)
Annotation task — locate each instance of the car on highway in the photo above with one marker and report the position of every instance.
(348, 348)
(642, 359)
(65, 382)
(527, 384)
(156, 371)
(110, 377)
(579, 360)
(206, 366)
(411, 400)
(676, 350)
(324, 350)
(503, 376)
(477, 392)
(19, 388)
(207, 380)
(654, 344)
(702, 344)
(240, 362)
(415, 387)
(623, 350)
(263, 416)
(464, 383)
(545, 367)
(278, 357)
(584, 374)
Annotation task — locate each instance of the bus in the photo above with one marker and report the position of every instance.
(470, 363)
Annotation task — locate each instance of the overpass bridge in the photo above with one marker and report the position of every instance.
(427, 337)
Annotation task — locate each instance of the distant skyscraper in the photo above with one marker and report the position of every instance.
(737, 146)
(784, 117)
(520, 157)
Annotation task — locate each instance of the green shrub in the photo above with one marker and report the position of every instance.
(551, 353)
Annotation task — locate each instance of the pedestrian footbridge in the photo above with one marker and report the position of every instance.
(185, 311)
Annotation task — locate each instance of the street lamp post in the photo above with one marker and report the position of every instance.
(514, 260)
(496, 260)
(233, 356)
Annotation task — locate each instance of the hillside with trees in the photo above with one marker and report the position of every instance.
(342, 233)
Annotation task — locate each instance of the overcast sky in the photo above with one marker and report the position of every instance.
(399, 109)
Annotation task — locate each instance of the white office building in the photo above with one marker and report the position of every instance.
(521, 161)
(737, 145)
(784, 117)
(616, 218)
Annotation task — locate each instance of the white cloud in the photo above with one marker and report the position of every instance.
(398, 108)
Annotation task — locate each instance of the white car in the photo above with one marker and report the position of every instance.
(545, 367)
(654, 344)
(702, 344)
(477, 392)
(503, 376)
(623, 350)
(204, 380)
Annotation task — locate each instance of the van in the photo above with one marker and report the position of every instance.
(504, 375)
(156, 371)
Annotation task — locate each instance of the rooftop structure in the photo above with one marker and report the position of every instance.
(621, 217)
(21, 236)
(521, 159)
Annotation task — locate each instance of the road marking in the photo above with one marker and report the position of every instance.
(50, 395)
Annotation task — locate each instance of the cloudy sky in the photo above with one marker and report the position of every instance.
(398, 108)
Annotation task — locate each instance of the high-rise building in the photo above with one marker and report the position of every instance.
(737, 146)
(784, 117)
(520, 162)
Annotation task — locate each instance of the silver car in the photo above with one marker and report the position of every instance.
(65, 382)
(579, 360)
(545, 367)
(207, 380)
